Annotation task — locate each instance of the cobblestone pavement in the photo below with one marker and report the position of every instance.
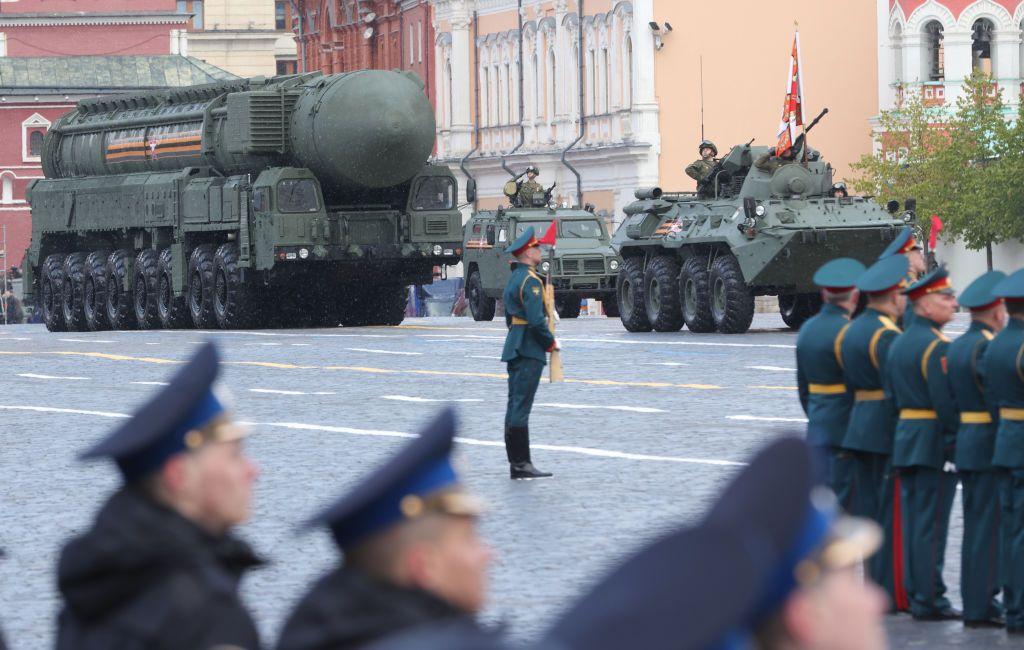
(644, 432)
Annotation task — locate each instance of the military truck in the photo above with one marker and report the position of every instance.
(700, 258)
(585, 265)
(293, 200)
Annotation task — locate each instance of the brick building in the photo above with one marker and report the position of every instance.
(343, 35)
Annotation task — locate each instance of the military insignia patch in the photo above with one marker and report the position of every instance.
(536, 291)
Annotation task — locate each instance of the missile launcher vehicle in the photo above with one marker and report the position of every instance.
(290, 201)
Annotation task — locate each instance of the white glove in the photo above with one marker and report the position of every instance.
(558, 346)
(949, 467)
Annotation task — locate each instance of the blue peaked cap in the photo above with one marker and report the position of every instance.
(884, 275)
(840, 273)
(1011, 287)
(522, 241)
(903, 242)
(158, 430)
(979, 293)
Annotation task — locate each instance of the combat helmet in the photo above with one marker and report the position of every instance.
(707, 143)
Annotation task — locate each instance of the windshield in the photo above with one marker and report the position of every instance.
(297, 196)
(436, 193)
(580, 229)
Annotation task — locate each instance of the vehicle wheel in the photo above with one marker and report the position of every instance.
(387, 305)
(325, 306)
(173, 310)
(568, 306)
(95, 291)
(200, 287)
(118, 303)
(72, 292)
(661, 294)
(611, 306)
(630, 296)
(480, 305)
(51, 281)
(231, 302)
(732, 303)
(798, 307)
(695, 294)
(145, 296)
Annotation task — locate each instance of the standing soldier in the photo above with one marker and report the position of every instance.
(530, 187)
(975, 441)
(412, 556)
(924, 442)
(819, 369)
(699, 168)
(160, 568)
(907, 245)
(869, 435)
(1003, 369)
(528, 341)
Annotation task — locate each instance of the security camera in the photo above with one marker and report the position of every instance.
(369, 18)
(654, 26)
(668, 26)
(368, 32)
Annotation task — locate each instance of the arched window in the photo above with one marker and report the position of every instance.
(7, 191)
(419, 41)
(591, 85)
(485, 99)
(535, 84)
(35, 143)
(981, 46)
(412, 45)
(448, 104)
(503, 94)
(552, 107)
(495, 95)
(627, 75)
(575, 103)
(606, 81)
(935, 59)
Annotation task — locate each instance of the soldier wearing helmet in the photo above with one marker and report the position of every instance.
(699, 168)
(530, 187)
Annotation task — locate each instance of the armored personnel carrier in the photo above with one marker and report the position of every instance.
(583, 264)
(700, 258)
(295, 200)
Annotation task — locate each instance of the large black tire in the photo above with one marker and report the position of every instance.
(661, 294)
(200, 287)
(72, 293)
(95, 293)
(732, 302)
(118, 303)
(51, 282)
(695, 294)
(145, 290)
(232, 302)
(480, 305)
(630, 296)
(796, 308)
(387, 305)
(568, 305)
(173, 310)
(611, 306)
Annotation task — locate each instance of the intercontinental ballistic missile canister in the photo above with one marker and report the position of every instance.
(295, 200)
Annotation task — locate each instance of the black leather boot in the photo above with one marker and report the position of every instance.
(517, 446)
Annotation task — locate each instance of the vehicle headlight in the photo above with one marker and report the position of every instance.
(614, 265)
(437, 249)
(303, 253)
(545, 266)
(908, 217)
(759, 210)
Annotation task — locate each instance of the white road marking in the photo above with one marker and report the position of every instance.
(150, 343)
(299, 345)
(14, 338)
(51, 409)
(408, 354)
(152, 383)
(631, 409)
(265, 343)
(757, 418)
(665, 363)
(483, 356)
(772, 368)
(31, 375)
(87, 340)
(275, 391)
(471, 337)
(409, 398)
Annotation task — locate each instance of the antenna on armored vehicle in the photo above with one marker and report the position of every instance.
(702, 97)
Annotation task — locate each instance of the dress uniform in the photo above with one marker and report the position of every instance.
(823, 393)
(528, 341)
(923, 445)
(1003, 370)
(975, 441)
(869, 434)
(145, 575)
(903, 244)
(354, 605)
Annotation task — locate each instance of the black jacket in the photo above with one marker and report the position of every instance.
(146, 577)
(347, 609)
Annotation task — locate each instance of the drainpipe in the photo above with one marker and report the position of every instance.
(522, 129)
(476, 95)
(579, 136)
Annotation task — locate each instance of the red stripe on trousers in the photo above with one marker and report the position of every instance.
(900, 589)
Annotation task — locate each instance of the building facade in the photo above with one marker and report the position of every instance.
(249, 38)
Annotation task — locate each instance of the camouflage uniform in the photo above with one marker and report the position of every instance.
(767, 162)
(699, 168)
(527, 190)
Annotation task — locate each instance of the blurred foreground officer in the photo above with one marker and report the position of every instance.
(819, 369)
(159, 568)
(906, 244)
(1004, 378)
(924, 442)
(527, 343)
(412, 554)
(869, 435)
(980, 578)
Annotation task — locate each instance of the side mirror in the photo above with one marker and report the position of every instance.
(892, 206)
(910, 205)
(471, 190)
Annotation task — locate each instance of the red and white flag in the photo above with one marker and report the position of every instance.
(793, 109)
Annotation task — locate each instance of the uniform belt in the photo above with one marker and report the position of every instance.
(869, 395)
(826, 389)
(519, 321)
(918, 414)
(975, 417)
(1011, 414)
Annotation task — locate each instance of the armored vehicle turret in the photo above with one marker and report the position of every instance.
(760, 225)
(295, 200)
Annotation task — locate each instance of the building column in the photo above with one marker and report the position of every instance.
(1006, 50)
(886, 57)
(914, 58)
(645, 103)
(462, 62)
(957, 46)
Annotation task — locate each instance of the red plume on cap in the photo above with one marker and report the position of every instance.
(549, 234)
